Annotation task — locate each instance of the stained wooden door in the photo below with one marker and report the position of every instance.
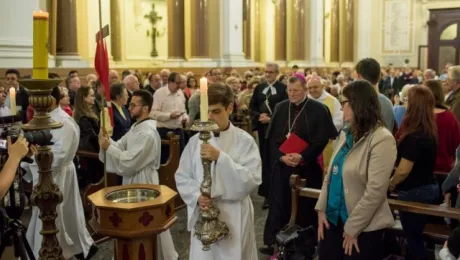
(443, 38)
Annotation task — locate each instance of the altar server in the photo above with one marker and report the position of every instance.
(136, 157)
(73, 236)
(235, 171)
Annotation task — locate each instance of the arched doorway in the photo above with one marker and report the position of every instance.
(443, 38)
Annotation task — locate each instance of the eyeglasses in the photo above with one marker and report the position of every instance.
(343, 102)
(132, 105)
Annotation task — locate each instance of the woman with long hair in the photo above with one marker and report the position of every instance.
(353, 210)
(414, 175)
(88, 122)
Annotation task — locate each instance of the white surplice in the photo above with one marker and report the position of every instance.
(136, 157)
(234, 175)
(73, 236)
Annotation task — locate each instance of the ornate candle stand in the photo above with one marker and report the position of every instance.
(208, 228)
(46, 195)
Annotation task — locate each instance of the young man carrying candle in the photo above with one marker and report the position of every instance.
(235, 172)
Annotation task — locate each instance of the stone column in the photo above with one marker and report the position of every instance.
(115, 29)
(176, 30)
(52, 9)
(335, 31)
(66, 36)
(256, 38)
(316, 30)
(300, 32)
(16, 34)
(280, 30)
(67, 28)
(247, 24)
(199, 34)
(346, 31)
(363, 40)
(232, 42)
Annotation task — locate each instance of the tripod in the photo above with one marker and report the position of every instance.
(15, 235)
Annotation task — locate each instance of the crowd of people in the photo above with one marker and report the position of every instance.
(357, 134)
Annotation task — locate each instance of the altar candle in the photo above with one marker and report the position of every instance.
(13, 107)
(204, 99)
(40, 47)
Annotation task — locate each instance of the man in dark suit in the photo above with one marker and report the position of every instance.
(391, 85)
(264, 99)
(121, 116)
(22, 95)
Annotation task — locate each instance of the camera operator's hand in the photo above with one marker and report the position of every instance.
(19, 149)
(32, 151)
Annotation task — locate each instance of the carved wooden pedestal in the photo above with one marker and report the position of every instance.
(134, 225)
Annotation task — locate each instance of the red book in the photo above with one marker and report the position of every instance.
(293, 144)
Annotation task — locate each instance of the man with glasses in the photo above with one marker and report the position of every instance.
(22, 96)
(136, 156)
(169, 111)
(264, 99)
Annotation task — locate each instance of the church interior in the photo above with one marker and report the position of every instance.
(143, 129)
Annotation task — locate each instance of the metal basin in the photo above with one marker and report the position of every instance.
(132, 195)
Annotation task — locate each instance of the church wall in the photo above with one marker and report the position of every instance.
(93, 26)
(416, 36)
(137, 45)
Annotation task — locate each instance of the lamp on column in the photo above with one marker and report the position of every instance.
(46, 195)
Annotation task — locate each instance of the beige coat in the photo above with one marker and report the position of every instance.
(366, 176)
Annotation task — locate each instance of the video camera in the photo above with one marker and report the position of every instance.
(9, 128)
(11, 228)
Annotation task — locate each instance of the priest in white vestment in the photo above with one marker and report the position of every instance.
(136, 157)
(236, 171)
(73, 236)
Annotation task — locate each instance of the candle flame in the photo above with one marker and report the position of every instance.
(40, 14)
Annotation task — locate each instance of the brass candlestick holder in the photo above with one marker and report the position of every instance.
(46, 194)
(208, 228)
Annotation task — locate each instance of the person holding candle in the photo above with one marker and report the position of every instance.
(4, 110)
(20, 101)
(169, 111)
(235, 172)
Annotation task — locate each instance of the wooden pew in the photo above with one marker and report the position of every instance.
(433, 233)
(243, 121)
(168, 169)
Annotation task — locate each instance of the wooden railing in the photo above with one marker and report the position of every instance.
(437, 233)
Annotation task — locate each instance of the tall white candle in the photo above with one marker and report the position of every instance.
(204, 99)
(13, 107)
